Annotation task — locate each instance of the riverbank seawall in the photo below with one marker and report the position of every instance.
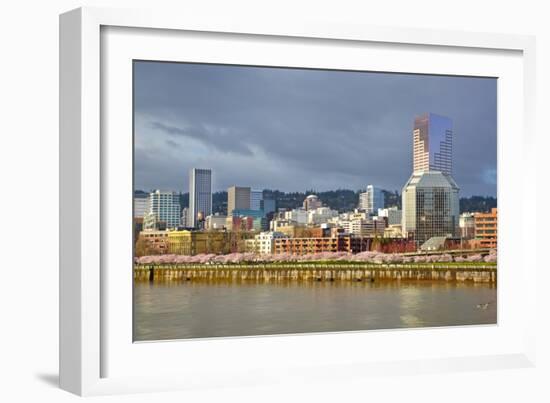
(478, 273)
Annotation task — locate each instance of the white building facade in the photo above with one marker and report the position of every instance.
(296, 216)
(368, 227)
(141, 205)
(165, 207)
(216, 222)
(184, 219)
(312, 202)
(393, 214)
(467, 225)
(263, 242)
(320, 215)
(371, 200)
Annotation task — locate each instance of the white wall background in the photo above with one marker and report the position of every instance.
(29, 203)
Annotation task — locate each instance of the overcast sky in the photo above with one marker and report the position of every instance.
(295, 129)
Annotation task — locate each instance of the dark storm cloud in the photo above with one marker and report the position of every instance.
(300, 129)
(214, 137)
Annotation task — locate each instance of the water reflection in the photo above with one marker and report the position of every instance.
(195, 309)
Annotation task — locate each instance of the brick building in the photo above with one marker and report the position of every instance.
(304, 246)
(486, 229)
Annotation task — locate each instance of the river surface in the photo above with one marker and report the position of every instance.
(183, 310)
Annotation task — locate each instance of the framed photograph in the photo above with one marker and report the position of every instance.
(251, 201)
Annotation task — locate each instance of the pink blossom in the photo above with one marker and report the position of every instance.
(145, 260)
(474, 258)
(490, 258)
(366, 257)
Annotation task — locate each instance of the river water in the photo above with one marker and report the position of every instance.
(182, 310)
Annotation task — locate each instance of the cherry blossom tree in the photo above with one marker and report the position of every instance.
(373, 257)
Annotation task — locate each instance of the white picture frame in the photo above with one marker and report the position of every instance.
(88, 315)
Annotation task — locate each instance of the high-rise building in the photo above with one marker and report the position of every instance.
(141, 204)
(371, 200)
(430, 206)
(268, 206)
(238, 198)
(165, 207)
(256, 197)
(200, 194)
(432, 144)
(430, 197)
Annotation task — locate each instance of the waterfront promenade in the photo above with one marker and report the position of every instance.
(318, 271)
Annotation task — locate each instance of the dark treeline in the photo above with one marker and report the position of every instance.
(474, 204)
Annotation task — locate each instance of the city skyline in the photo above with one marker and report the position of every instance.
(294, 129)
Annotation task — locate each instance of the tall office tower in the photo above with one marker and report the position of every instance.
(268, 206)
(238, 198)
(433, 143)
(165, 207)
(430, 206)
(371, 200)
(200, 194)
(256, 197)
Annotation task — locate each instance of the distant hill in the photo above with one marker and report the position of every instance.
(477, 204)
